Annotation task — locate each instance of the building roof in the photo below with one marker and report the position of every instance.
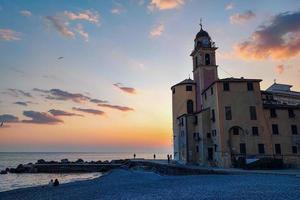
(282, 89)
(202, 33)
(280, 106)
(242, 79)
(187, 81)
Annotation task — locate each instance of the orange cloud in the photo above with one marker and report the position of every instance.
(121, 108)
(165, 4)
(157, 31)
(9, 35)
(279, 69)
(129, 90)
(240, 18)
(280, 39)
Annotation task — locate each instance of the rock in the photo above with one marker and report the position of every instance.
(3, 172)
(79, 161)
(7, 169)
(64, 161)
(41, 161)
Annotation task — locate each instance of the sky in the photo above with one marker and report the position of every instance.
(96, 75)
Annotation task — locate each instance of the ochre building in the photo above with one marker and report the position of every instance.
(218, 121)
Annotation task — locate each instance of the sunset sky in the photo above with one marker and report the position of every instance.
(96, 75)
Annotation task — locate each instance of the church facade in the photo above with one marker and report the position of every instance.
(218, 121)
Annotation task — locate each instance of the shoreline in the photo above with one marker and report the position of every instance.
(140, 184)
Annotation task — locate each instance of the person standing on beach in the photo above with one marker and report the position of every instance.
(134, 156)
(168, 158)
(154, 156)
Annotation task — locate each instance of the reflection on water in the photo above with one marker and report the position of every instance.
(14, 181)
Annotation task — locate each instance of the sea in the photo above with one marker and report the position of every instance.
(13, 159)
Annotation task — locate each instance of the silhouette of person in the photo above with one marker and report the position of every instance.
(51, 182)
(56, 182)
(168, 158)
(134, 156)
(154, 156)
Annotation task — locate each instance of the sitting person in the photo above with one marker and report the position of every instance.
(51, 182)
(56, 183)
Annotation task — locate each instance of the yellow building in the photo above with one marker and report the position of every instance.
(217, 122)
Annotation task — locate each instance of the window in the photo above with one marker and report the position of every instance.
(228, 115)
(261, 148)
(205, 96)
(294, 129)
(190, 106)
(291, 113)
(216, 147)
(208, 135)
(253, 113)
(207, 59)
(211, 90)
(235, 130)
(254, 130)
(277, 149)
(275, 129)
(242, 148)
(189, 88)
(197, 148)
(226, 86)
(213, 118)
(273, 113)
(173, 91)
(250, 86)
(294, 149)
(196, 120)
(214, 133)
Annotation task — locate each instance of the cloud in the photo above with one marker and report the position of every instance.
(98, 101)
(91, 111)
(25, 13)
(165, 4)
(57, 94)
(61, 26)
(55, 112)
(279, 39)
(240, 18)
(229, 6)
(7, 118)
(40, 118)
(9, 35)
(121, 108)
(87, 15)
(157, 31)
(129, 90)
(118, 9)
(79, 29)
(17, 93)
(23, 103)
(279, 69)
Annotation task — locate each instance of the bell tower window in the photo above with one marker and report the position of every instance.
(207, 59)
(190, 106)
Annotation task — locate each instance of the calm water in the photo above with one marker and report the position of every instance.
(14, 181)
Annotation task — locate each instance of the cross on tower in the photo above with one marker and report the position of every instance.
(201, 23)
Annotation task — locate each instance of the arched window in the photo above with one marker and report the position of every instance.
(207, 59)
(190, 106)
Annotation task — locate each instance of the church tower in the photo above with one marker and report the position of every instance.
(204, 64)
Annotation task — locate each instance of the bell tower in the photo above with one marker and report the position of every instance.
(204, 64)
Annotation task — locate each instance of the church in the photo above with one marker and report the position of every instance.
(217, 122)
